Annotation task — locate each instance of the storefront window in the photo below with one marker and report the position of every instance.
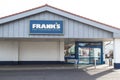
(89, 44)
(89, 51)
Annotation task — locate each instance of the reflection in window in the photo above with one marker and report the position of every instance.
(87, 55)
(89, 44)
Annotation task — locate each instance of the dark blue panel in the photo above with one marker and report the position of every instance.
(102, 62)
(117, 65)
(40, 62)
(76, 50)
(46, 27)
(30, 62)
(8, 62)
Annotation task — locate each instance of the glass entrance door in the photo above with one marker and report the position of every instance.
(84, 55)
(89, 51)
(88, 55)
(95, 54)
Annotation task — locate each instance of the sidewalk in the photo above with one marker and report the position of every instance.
(103, 72)
(57, 66)
(59, 72)
(36, 67)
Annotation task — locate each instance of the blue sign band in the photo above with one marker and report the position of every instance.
(46, 27)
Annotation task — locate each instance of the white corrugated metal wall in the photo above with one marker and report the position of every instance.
(72, 29)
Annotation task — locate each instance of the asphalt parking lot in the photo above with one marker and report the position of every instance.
(69, 74)
(104, 73)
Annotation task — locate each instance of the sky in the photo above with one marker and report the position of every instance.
(105, 11)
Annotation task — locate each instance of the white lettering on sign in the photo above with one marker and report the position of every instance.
(46, 26)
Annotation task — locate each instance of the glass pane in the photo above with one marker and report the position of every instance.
(89, 44)
(88, 55)
(83, 44)
(95, 53)
(94, 44)
(84, 55)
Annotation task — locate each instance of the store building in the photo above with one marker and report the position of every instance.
(42, 35)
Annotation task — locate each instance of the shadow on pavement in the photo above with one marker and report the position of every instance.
(51, 74)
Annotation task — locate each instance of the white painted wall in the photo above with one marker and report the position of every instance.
(61, 50)
(8, 51)
(31, 51)
(116, 47)
(41, 51)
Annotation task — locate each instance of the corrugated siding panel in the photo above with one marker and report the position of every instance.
(21, 28)
(94, 33)
(6, 30)
(26, 27)
(76, 30)
(80, 28)
(90, 32)
(85, 31)
(11, 30)
(16, 28)
(1, 30)
(72, 29)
